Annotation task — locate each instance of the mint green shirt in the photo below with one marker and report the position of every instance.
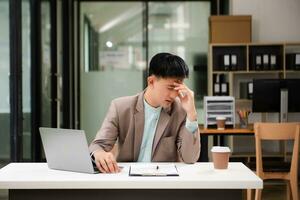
(150, 124)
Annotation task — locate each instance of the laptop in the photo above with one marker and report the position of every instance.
(67, 149)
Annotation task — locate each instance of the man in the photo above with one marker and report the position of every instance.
(158, 124)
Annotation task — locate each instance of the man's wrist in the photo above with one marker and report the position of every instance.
(192, 115)
(191, 126)
(97, 151)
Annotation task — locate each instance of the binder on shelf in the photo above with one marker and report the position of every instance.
(292, 61)
(273, 62)
(226, 59)
(250, 90)
(265, 61)
(216, 89)
(297, 61)
(258, 62)
(233, 59)
(224, 89)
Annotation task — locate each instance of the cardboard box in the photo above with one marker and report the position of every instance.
(230, 29)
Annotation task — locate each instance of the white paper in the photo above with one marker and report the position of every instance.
(149, 169)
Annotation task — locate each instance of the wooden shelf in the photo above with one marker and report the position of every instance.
(221, 72)
(265, 44)
(243, 100)
(265, 71)
(254, 71)
(228, 44)
(227, 131)
(292, 71)
(247, 54)
(292, 43)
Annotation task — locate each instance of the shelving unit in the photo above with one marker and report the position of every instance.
(245, 53)
(279, 57)
(219, 106)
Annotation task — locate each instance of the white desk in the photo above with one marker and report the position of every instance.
(37, 181)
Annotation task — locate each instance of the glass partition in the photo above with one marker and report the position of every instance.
(4, 89)
(46, 64)
(182, 28)
(113, 45)
(4, 84)
(112, 57)
(26, 68)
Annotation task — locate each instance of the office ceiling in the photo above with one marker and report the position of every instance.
(103, 13)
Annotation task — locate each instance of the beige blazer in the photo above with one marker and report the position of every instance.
(124, 123)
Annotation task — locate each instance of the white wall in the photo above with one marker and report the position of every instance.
(272, 20)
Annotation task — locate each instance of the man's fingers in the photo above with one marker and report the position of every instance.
(116, 167)
(106, 162)
(182, 93)
(104, 165)
(114, 163)
(179, 88)
(100, 167)
(110, 166)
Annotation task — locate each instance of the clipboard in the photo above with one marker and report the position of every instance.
(153, 170)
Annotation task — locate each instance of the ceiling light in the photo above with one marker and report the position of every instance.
(109, 44)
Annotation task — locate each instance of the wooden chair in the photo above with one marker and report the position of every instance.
(277, 131)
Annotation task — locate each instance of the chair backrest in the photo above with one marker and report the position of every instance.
(277, 131)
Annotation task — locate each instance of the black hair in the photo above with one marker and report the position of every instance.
(166, 65)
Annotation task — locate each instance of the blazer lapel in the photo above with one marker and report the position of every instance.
(139, 125)
(161, 126)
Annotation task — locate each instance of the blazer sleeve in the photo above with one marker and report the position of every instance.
(188, 144)
(108, 133)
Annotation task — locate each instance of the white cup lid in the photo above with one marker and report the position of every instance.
(220, 118)
(220, 149)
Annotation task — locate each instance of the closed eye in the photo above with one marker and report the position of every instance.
(171, 87)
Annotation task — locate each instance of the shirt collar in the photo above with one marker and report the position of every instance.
(151, 108)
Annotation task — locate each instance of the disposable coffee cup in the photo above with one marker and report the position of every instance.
(220, 122)
(220, 156)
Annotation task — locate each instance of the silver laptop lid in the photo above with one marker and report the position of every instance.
(66, 149)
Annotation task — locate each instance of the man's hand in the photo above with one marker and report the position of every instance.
(186, 97)
(106, 162)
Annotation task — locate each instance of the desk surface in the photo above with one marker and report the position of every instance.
(194, 176)
(227, 131)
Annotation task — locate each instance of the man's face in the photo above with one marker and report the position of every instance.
(163, 92)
